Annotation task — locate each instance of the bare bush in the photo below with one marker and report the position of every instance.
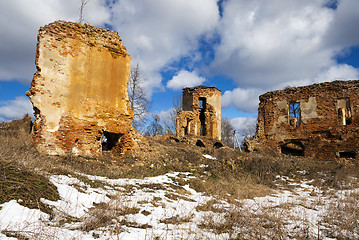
(342, 217)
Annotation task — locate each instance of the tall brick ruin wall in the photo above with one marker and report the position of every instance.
(328, 125)
(189, 119)
(79, 92)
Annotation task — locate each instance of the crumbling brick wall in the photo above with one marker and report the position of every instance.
(79, 92)
(201, 113)
(319, 121)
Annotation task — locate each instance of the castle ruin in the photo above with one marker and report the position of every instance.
(201, 113)
(79, 92)
(319, 121)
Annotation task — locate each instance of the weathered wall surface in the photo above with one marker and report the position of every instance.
(79, 91)
(196, 121)
(326, 128)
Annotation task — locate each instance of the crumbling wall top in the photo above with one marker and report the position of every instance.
(198, 87)
(342, 85)
(89, 34)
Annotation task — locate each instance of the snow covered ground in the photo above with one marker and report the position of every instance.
(161, 208)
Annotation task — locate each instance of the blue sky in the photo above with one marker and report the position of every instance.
(244, 48)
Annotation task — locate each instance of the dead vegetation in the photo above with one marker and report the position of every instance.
(342, 217)
(104, 214)
(231, 176)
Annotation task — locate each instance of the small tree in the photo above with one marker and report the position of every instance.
(155, 127)
(227, 132)
(83, 4)
(137, 97)
(248, 131)
(170, 123)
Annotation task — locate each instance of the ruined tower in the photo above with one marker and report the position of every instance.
(319, 121)
(201, 113)
(79, 92)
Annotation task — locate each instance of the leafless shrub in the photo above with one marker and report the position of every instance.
(342, 217)
(104, 214)
(243, 223)
(177, 219)
(212, 206)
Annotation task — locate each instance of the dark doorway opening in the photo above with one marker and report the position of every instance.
(199, 143)
(217, 145)
(350, 154)
(293, 149)
(202, 117)
(109, 140)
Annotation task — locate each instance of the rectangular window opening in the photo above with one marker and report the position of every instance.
(344, 111)
(294, 114)
(350, 154)
(187, 127)
(202, 103)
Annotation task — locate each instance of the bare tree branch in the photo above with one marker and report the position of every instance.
(227, 132)
(83, 4)
(137, 97)
(155, 128)
(248, 131)
(170, 123)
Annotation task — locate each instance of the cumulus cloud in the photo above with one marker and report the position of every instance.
(165, 115)
(159, 32)
(271, 45)
(336, 72)
(343, 30)
(241, 123)
(15, 109)
(268, 43)
(242, 99)
(21, 20)
(185, 79)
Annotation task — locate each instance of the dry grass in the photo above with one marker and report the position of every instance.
(105, 214)
(234, 175)
(342, 217)
(223, 180)
(17, 183)
(244, 223)
(177, 219)
(213, 206)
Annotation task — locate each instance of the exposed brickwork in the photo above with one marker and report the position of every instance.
(328, 125)
(199, 120)
(79, 92)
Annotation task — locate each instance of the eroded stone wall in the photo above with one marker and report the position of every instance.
(79, 92)
(327, 126)
(201, 113)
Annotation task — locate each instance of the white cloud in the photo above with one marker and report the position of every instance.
(242, 99)
(241, 123)
(159, 32)
(15, 109)
(247, 99)
(343, 31)
(264, 44)
(165, 115)
(185, 79)
(336, 72)
(21, 20)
